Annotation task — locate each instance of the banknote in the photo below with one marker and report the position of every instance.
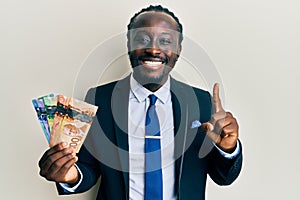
(50, 102)
(72, 121)
(39, 107)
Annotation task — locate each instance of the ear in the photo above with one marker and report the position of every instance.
(179, 50)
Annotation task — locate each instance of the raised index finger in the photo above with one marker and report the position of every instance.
(216, 99)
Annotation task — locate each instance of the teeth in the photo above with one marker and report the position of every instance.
(152, 63)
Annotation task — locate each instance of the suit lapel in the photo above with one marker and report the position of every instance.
(120, 98)
(185, 110)
(180, 118)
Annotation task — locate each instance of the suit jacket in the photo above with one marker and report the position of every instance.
(105, 150)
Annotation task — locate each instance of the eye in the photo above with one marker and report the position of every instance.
(142, 39)
(165, 41)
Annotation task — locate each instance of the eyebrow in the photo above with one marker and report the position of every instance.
(140, 31)
(166, 33)
(143, 31)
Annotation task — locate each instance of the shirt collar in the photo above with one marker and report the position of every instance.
(141, 93)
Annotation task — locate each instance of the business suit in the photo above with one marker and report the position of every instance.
(105, 151)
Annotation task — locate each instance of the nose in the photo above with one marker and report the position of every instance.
(153, 48)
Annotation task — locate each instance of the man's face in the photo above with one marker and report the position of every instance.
(153, 47)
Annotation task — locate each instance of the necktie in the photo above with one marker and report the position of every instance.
(153, 173)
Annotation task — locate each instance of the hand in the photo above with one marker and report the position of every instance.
(57, 164)
(223, 127)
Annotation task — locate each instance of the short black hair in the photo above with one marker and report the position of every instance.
(157, 8)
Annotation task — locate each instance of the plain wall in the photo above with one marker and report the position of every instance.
(253, 43)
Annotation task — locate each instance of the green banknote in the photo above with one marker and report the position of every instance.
(50, 102)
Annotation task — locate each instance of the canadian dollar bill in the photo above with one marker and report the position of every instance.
(64, 119)
(72, 121)
(50, 102)
(39, 107)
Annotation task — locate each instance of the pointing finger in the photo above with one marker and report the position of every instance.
(216, 99)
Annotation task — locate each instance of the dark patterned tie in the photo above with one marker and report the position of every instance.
(153, 173)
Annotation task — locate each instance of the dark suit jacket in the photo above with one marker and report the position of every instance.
(105, 151)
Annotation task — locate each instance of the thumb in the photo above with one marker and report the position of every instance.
(208, 128)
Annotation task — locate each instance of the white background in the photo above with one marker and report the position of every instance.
(254, 44)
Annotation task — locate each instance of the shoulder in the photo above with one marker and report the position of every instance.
(198, 100)
(200, 93)
(105, 87)
(103, 93)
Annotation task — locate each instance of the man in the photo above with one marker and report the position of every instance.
(116, 148)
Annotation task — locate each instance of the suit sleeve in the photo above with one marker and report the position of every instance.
(224, 171)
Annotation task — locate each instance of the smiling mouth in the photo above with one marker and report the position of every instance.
(152, 63)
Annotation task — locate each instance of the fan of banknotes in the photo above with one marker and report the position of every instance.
(64, 119)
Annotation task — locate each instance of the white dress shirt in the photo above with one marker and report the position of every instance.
(138, 105)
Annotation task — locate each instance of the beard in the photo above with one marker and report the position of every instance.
(139, 73)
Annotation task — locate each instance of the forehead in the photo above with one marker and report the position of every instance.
(155, 19)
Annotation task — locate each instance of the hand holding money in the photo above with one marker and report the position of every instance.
(57, 164)
(65, 122)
